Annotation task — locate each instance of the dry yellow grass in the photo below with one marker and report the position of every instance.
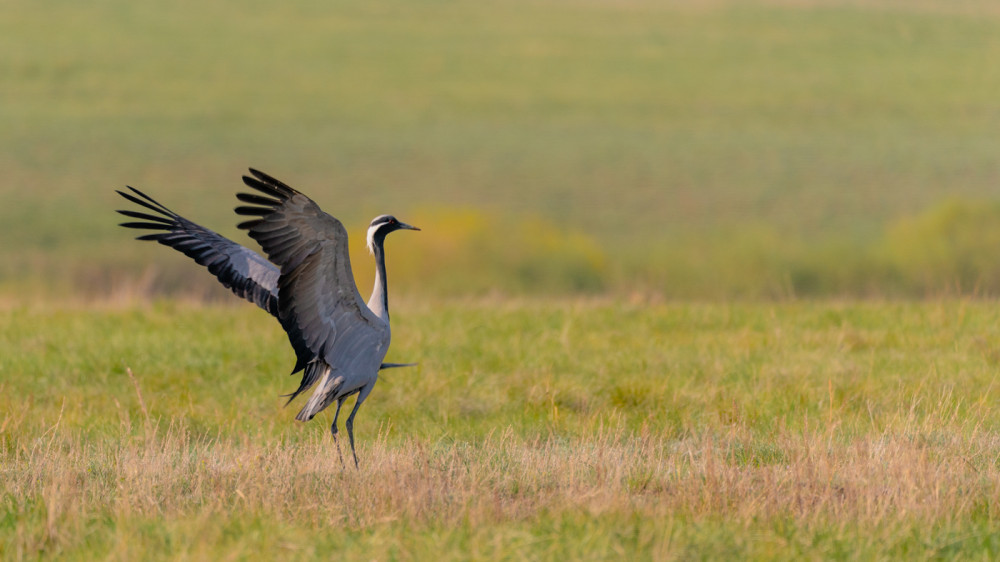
(914, 475)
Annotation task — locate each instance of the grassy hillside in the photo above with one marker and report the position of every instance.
(659, 132)
(569, 429)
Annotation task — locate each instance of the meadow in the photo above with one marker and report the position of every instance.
(697, 279)
(574, 429)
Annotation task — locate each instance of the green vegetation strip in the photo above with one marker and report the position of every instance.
(532, 430)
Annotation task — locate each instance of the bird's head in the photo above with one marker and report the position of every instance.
(381, 226)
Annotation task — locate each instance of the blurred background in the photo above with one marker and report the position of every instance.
(678, 149)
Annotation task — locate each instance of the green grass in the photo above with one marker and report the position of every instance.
(835, 430)
(636, 149)
(660, 131)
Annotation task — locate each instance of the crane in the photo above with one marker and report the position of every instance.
(306, 282)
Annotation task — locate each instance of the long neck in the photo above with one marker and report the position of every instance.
(379, 301)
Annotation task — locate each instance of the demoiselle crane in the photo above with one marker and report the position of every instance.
(339, 341)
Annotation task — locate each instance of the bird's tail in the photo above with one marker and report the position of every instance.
(323, 396)
(310, 374)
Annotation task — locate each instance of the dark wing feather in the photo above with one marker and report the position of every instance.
(243, 271)
(319, 303)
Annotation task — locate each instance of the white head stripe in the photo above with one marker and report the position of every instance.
(371, 238)
(377, 223)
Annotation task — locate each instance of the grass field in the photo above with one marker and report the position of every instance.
(626, 206)
(704, 148)
(572, 429)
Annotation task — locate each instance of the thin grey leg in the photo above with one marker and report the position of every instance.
(350, 429)
(333, 430)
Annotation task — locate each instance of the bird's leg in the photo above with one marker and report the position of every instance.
(333, 430)
(350, 428)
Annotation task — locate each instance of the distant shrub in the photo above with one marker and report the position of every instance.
(464, 251)
(953, 246)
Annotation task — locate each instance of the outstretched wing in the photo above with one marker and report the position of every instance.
(239, 269)
(318, 302)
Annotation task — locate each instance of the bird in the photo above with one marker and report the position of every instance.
(305, 281)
